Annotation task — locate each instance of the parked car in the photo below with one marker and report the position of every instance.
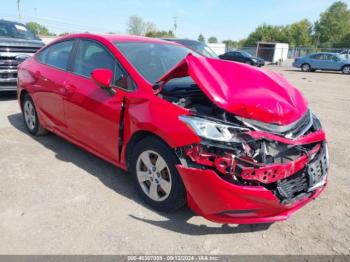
(17, 43)
(323, 61)
(197, 46)
(243, 57)
(237, 143)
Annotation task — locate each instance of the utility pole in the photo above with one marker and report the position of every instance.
(175, 25)
(19, 10)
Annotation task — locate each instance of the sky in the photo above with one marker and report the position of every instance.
(225, 19)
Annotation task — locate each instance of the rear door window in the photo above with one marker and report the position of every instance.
(317, 56)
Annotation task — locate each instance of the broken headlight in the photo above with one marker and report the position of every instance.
(213, 130)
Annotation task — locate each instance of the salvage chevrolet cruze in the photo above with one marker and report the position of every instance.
(236, 143)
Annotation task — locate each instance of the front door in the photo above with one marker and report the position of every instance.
(92, 114)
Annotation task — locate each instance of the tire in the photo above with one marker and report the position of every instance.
(305, 68)
(146, 156)
(30, 117)
(346, 69)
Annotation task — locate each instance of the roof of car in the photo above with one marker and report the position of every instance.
(118, 38)
(324, 53)
(10, 22)
(181, 40)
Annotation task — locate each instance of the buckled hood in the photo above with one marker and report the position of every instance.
(243, 90)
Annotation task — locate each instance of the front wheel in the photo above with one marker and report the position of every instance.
(155, 175)
(30, 117)
(346, 70)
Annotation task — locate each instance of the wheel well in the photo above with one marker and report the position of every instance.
(137, 137)
(21, 97)
(345, 66)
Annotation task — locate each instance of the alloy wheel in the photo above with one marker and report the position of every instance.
(29, 115)
(153, 175)
(306, 68)
(346, 70)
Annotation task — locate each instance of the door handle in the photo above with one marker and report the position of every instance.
(68, 89)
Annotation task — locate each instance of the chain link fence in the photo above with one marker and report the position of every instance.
(294, 52)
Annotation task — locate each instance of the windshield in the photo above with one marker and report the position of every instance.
(246, 54)
(201, 48)
(152, 60)
(14, 30)
(342, 57)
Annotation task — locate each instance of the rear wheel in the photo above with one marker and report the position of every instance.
(305, 67)
(346, 69)
(30, 117)
(155, 175)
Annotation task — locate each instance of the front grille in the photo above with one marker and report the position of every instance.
(305, 181)
(19, 49)
(293, 130)
(8, 63)
(8, 55)
(293, 187)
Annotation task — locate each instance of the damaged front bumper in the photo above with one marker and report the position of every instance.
(227, 189)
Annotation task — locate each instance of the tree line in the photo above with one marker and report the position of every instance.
(331, 30)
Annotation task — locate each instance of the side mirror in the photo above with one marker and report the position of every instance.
(103, 78)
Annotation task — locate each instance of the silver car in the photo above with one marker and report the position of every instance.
(323, 61)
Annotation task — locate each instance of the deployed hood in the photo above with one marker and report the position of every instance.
(243, 90)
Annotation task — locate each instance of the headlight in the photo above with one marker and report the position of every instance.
(213, 130)
(316, 122)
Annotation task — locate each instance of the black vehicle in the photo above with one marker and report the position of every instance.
(243, 57)
(198, 47)
(17, 43)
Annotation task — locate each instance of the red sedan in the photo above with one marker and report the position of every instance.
(236, 143)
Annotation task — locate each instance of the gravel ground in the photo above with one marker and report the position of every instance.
(58, 199)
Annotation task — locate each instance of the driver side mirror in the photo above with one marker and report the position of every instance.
(103, 78)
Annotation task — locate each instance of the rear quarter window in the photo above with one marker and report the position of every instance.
(56, 55)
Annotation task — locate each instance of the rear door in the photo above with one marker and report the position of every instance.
(92, 114)
(316, 61)
(51, 72)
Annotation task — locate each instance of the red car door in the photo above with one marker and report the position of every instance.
(93, 114)
(50, 72)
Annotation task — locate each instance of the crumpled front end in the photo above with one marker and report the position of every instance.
(262, 153)
(264, 175)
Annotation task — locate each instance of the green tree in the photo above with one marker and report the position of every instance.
(149, 27)
(300, 33)
(160, 34)
(344, 42)
(212, 40)
(201, 38)
(230, 44)
(38, 29)
(136, 26)
(64, 33)
(267, 33)
(333, 25)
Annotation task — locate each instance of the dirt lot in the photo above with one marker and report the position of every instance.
(58, 199)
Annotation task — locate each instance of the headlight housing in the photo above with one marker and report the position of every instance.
(212, 130)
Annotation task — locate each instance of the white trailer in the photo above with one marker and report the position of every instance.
(272, 52)
(219, 49)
